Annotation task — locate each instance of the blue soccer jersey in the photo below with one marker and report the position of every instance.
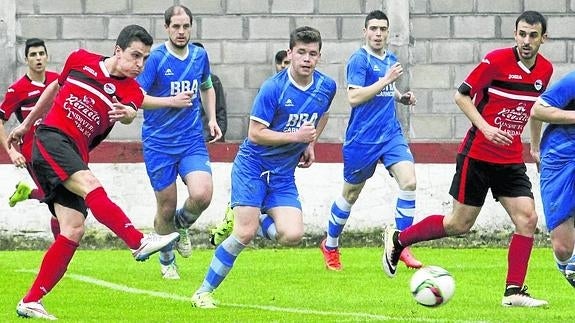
(374, 120)
(166, 74)
(284, 106)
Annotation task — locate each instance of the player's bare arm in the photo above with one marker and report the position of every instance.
(41, 108)
(493, 134)
(180, 100)
(262, 135)
(15, 156)
(357, 96)
(552, 114)
(209, 104)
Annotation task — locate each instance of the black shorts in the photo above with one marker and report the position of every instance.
(55, 158)
(473, 178)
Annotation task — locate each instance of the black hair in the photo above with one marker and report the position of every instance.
(133, 33)
(376, 14)
(280, 55)
(533, 18)
(305, 35)
(34, 42)
(198, 44)
(174, 10)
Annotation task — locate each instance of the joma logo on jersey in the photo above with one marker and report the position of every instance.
(296, 120)
(515, 77)
(184, 86)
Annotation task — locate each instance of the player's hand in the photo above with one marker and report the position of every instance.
(536, 155)
(408, 98)
(15, 136)
(182, 99)
(215, 131)
(17, 158)
(393, 73)
(123, 113)
(307, 158)
(497, 136)
(307, 132)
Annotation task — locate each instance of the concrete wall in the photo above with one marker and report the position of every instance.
(439, 41)
(128, 186)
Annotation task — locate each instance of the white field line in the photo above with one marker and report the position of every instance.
(340, 315)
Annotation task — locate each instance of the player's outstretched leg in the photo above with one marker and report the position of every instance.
(518, 297)
(22, 193)
(224, 229)
(391, 251)
(409, 259)
(33, 310)
(152, 243)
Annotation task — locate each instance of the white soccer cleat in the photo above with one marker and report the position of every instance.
(33, 310)
(522, 299)
(391, 252)
(203, 300)
(152, 243)
(170, 271)
(184, 245)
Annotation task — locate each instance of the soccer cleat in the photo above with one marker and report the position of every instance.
(569, 273)
(33, 310)
(203, 300)
(331, 257)
(224, 229)
(170, 271)
(407, 257)
(152, 243)
(184, 245)
(22, 193)
(516, 297)
(391, 251)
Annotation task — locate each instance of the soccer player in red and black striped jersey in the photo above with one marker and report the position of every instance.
(91, 94)
(497, 97)
(19, 101)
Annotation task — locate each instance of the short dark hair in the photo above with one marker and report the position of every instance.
(532, 18)
(174, 10)
(133, 33)
(198, 44)
(306, 35)
(280, 55)
(376, 14)
(34, 42)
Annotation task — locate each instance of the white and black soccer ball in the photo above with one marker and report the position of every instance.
(432, 286)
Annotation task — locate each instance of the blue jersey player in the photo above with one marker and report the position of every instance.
(172, 138)
(557, 150)
(288, 115)
(373, 134)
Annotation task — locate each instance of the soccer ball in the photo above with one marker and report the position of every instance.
(432, 286)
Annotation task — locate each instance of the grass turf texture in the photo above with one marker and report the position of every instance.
(284, 285)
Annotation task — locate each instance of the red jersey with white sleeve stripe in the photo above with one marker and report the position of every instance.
(503, 90)
(20, 98)
(80, 108)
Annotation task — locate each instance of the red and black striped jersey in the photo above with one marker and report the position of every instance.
(20, 98)
(81, 106)
(503, 90)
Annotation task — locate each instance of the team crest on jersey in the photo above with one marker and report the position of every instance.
(109, 88)
(538, 85)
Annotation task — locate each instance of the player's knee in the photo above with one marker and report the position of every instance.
(291, 237)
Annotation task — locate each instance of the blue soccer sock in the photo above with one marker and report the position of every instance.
(340, 211)
(222, 262)
(183, 218)
(267, 228)
(167, 255)
(404, 209)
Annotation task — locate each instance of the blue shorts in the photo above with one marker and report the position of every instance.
(557, 190)
(360, 160)
(164, 167)
(254, 186)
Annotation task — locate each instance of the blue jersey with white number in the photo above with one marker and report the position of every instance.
(558, 140)
(374, 120)
(284, 106)
(166, 74)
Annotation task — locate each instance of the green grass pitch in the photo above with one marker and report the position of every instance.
(284, 285)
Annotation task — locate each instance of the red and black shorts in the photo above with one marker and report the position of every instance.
(473, 178)
(55, 157)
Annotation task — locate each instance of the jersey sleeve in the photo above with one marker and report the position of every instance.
(71, 61)
(9, 104)
(480, 77)
(560, 93)
(356, 71)
(265, 104)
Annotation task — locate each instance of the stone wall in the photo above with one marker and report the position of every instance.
(439, 41)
